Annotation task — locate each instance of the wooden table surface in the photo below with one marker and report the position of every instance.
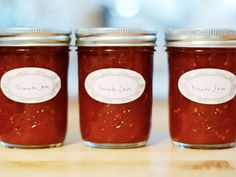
(158, 159)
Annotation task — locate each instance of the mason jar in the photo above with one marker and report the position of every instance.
(202, 87)
(33, 96)
(115, 86)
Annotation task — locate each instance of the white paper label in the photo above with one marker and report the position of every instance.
(30, 85)
(115, 86)
(208, 86)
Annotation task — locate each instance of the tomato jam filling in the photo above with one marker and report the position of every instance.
(24, 120)
(115, 121)
(194, 122)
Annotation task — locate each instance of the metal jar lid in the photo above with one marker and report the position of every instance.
(216, 38)
(115, 37)
(33, 37)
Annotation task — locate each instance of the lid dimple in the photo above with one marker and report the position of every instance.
(201, 37)
(115, 37)
(34, 37)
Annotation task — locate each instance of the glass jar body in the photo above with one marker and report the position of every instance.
(34, 114)
(202, 109)
(108, 119)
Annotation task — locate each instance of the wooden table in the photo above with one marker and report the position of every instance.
(158, 159)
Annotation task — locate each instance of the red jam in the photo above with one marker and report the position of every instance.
(35, 123)
(195, 123)
(115, 123)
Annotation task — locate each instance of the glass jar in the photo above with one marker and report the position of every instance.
(33, 96)
(202, 88)
(115, 86)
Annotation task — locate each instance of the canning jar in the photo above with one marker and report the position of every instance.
(115, 86)
(202, 87)
(33, 95)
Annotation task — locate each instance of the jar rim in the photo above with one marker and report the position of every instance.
(201, 37)
(34, 37)
(115, 37)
